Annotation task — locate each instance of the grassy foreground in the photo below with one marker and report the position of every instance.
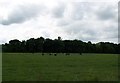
(35, 67)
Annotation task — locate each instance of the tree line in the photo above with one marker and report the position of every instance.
(42, 45)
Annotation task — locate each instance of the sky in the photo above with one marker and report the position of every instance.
(86, 20)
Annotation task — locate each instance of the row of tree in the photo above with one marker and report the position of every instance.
(59, 46)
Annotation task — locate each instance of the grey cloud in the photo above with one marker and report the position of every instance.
(78, 11)
(88, 32)
(90, 28)
(104, 12)
(22, 13)
(107, 13)
(58, 12)
(81, 31)
(74, 25)
(63, 22)
(46, 34)
(111, 32)
(78, 14)
(81, 9)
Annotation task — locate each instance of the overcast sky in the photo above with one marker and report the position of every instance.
(91, 20)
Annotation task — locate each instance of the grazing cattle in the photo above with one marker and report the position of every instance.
(67, 54)
(42, 54)
(50, 54)
(80, 53)
(55, 54)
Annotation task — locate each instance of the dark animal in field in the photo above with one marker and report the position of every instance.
(42, 54)
(80, 53)
(55, 54)
(50, 54)
(67, 54)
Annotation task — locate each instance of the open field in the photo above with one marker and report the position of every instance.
(35, 67)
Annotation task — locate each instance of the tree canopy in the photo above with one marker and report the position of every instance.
(47, 45)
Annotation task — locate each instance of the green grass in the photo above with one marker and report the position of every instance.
(35, 67)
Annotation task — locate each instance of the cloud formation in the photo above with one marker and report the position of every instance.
(107, 13)
(22, 13)
(58, 11)
(87, 21)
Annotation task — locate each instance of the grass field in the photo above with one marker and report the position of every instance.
(35, 67)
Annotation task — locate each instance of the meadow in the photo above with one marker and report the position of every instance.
(75, 67)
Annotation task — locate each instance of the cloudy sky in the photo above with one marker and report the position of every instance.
(91, 20)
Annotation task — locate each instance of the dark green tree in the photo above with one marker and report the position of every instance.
(14, 45)
(39, 44)
(30, 45)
